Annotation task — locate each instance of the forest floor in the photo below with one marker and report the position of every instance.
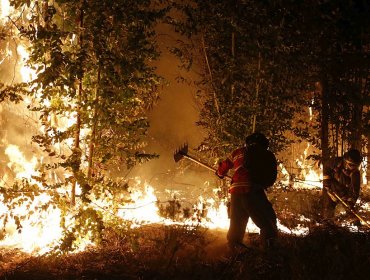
(327, 251)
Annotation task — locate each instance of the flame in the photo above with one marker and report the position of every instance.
(310, 109)
(311, 178)
(41, 220)
(364, 166)
(39, 231)
(5, 10)
(8, 53)
(26, 72)
(299, 230)
(285, 173)
(143, 208)
(19, 164)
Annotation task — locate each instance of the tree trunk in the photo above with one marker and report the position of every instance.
(204, 48)
(324, 124)
(76, 147)
(93, 130)
(356, 127)
(257, 91)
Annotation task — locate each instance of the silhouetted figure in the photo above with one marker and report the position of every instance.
(344, 179)
(255, 170)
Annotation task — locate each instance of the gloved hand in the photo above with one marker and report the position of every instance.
(337, 176)
(219, 176)
(350, 202)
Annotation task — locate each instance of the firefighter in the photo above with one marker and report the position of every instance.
(343, 178)
(248, 198)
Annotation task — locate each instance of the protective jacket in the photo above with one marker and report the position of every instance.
(240, 182)
(343, 182)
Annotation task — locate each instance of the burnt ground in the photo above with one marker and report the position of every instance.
(328, 251)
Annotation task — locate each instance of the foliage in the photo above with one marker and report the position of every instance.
(333, 39)
(93, 85)
(248, 72)
(172, 209)
(265, 61)
(84, 223)
(96, 72)
(13, 93)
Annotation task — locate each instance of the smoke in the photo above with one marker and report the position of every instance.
(173, 123)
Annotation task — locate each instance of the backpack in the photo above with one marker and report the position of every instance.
(261, 165)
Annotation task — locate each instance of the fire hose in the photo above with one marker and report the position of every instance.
(183, 153)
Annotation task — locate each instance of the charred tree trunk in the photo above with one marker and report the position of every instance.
(324, 124)
(356, 122)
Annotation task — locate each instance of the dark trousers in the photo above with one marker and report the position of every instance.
(256, 206)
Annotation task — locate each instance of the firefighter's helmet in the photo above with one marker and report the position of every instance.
(353, 158)
(257, 138)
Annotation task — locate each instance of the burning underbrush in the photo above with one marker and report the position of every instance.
(59, 219)
(179, 242)
(179, 252)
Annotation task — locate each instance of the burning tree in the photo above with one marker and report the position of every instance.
(91, 84)
(91, 81)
